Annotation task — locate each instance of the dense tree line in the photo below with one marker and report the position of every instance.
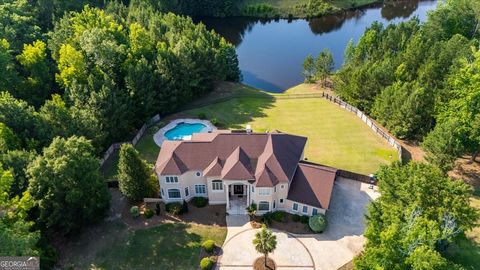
(74, 79)
(406, 77)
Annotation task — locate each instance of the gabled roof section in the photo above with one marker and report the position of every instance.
(266, 178)
(174, 166)
(214, 169)
(237, 166)
(312, 184)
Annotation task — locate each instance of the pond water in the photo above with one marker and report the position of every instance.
(271, 52)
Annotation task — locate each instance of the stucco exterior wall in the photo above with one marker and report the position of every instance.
(188, 179)
(289, 208)
(216, 196)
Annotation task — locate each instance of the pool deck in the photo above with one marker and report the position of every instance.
(159, 137)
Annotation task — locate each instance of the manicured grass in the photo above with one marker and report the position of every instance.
(466, 251)
(168, 246)
(336, 137)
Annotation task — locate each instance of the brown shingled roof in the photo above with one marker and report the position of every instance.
(269, 157)
(312, 185)
(214, 169)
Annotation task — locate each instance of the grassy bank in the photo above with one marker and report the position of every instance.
(296, 8)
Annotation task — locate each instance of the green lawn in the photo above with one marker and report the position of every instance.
(336, 137)
(466, 251)
(168, 246)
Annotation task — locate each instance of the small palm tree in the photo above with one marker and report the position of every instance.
(265, 242)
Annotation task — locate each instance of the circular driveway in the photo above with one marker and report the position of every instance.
(239, 252)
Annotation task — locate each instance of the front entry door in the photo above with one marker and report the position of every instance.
(238, 189)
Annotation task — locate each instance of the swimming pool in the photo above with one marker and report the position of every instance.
(183, 130)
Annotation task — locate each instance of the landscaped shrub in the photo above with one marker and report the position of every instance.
(304, 219)
(184, 207)
(296, 218)
(200, 201)
(317, 223)
(157, 209)
(214, 121)
(279, 216)
(206, 264)
(202, 116)
(267, 218)
(174, 208)
(148, 213)
(134, 211)
(252, 209)
(208, 246)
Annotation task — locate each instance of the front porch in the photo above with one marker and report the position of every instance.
(237, 197)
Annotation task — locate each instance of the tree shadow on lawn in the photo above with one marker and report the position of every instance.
(234, 113)
(168, 246)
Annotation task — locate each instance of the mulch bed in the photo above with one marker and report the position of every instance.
(212, 215)
(259, 264)
(288, 225)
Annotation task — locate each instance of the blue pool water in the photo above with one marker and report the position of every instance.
(182, 130)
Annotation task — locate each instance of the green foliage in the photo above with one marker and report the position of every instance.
(304, 219)
(279, 216)
(134, 211)
(317, 223)
(296, 218)
(261, 9)
(419, 208)
(202, 116)
(16, 235)
(206, 264)
(66, 183)
(252, 209)
(208, 246)
(267, 219)
(324, 65)
(200, 201)
(122, 71)
(17, 162)
(148, 213)
(400, 73)
(134, 174)
(8, 139)
(174, 208)
(308, 69)
(265, 241)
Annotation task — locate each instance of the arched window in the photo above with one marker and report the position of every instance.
(174, 193)
(217, 185)
(263, 206)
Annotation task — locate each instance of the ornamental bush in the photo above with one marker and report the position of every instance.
(296, 218)
(200, 201)
(208, 246)
(134, 211)
(174, 208)
(206, 264)
(304, 219)
(148, 213)
(279, 216)
(317, 223)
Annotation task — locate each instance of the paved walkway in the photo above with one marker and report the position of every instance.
(330, 250)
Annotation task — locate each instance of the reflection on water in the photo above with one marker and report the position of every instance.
(271, 52)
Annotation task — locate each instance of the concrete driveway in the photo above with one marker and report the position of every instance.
(341, 241)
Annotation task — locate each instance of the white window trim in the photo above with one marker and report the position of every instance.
(258, 206)
(198, 174)
(173, 177)
(205, 188)
(179, 192)
(313, 209)
(217, 182)
(303, 209)
(293, 207)
(264, 191)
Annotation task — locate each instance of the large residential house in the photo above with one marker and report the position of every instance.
(241, 168)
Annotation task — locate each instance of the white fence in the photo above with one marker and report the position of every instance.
(114, 147)
(390, 139)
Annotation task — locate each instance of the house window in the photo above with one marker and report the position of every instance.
(198, 174)
(200, 189)
(274, 206)
(171, 179)
(274, 189)
(217, 185)
(263, 191)
(305, 209)
(314, 211)
(187, 192)
(281, 201)
(253, 189)
(162, 192)
(282, 186)
(263, 206)
(295, 207)
(174, 193)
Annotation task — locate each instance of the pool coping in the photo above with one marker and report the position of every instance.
(159, 136)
